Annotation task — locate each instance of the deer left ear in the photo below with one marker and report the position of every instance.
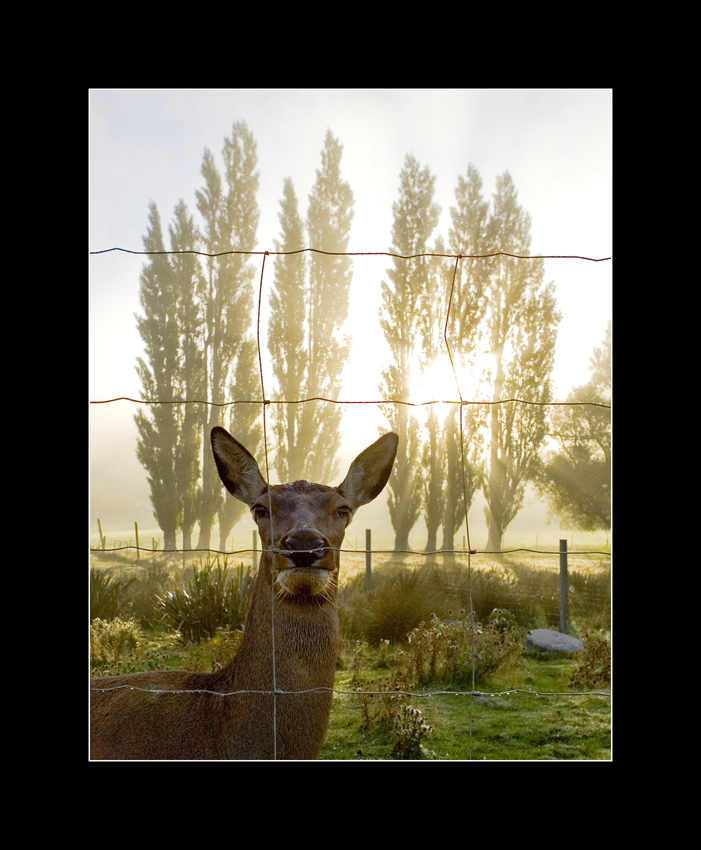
(370, 471)
(237, 467)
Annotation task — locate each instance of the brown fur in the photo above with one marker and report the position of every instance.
(233, 713)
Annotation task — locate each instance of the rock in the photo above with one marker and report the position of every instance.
(548, 640)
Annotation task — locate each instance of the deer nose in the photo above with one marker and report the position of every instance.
(304, 547)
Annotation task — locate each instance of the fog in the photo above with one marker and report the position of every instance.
(147, 145)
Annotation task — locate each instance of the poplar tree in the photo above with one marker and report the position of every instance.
(403, 298)
(243, 420)
(167, 443)
(288, 337)
(157, 432)
(430, 326)
(521, 324)
(187, 283)
(467, 238)
(309, 305)
(230, 220)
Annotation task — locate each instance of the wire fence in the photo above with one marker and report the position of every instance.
(460, 401)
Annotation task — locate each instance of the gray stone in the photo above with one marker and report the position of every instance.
(548, 640)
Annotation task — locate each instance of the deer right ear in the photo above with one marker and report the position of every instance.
(370, 471)
(237, 467)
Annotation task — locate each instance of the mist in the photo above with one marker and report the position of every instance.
(556, 144)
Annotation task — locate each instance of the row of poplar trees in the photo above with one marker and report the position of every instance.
(197, 326)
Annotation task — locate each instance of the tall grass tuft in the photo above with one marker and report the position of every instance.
(400, 599)
(214, 598)
(109, 594)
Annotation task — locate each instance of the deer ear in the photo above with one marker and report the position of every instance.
(370, 471)
(237, 467)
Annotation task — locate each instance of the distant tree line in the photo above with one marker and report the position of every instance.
(197, 327)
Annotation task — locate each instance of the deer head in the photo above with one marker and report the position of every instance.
(302, 525)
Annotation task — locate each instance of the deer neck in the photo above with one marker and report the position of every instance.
(303, 634)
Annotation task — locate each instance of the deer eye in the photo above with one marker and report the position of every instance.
(343, 512)
(259, 511)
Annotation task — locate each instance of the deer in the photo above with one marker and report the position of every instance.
(273, 700)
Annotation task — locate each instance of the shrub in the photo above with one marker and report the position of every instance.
(400, 599)
(385, 706)
(458, 651)
(108, 594)
(153, 580)
(409, 731)
(211, 654)
(590, 596)
(379, 699)
(592, 662)
(490, 589)
(211, 600)
(113, 640)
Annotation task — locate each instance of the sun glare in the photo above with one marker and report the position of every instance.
(435, 383)
(447, 382)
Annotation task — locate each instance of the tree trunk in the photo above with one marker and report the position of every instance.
(169, 539)
(401, 539)
(452, 495)
(495, 487)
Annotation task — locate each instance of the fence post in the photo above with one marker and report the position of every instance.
(368, 560)
(102, 536)
(564, 588)
(136, 529)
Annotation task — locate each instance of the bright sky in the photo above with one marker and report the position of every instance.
(147, 145)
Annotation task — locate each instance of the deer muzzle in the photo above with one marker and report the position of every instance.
(305, 548)
(308, 570)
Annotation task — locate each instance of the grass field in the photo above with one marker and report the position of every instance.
(529, 707)
(503, 725)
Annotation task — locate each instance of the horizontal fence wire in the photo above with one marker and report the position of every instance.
(265, 402)
(463, 552)
(365, 254)
(354, 692)
(377, 402)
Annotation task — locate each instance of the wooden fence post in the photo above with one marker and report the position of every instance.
(368, 560)
(102, 536)
(564, 588)
(136, 529)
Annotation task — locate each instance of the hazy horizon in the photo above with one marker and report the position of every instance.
(147, 145)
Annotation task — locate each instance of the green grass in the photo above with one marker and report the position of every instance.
(510, 722)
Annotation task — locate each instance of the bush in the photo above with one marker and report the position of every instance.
(488, 589)
(211, 600)
(400, 599)
(408, 734)
(590, 596)
(379, 699)
(153, 579)
(113, 640)
(453, 652)
(592, 661)
(108, 594)
(211, 654)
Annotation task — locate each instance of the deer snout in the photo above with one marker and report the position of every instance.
(304, 547)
